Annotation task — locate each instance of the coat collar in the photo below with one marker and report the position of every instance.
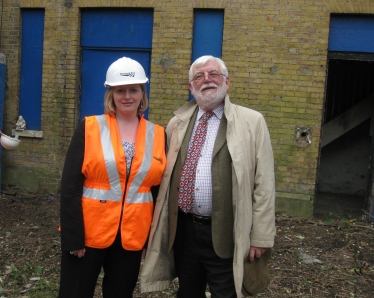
(228, 109)
(185, 112)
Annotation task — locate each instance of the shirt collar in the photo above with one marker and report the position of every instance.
(218, 112)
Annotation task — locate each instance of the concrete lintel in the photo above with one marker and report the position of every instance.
(28, 133)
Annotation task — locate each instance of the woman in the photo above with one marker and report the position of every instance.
(106, 202)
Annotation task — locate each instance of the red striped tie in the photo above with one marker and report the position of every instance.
(187, 184)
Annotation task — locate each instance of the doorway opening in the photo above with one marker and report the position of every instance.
(345, 179)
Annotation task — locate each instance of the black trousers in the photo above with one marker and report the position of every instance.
(79, 275)
(197, 264)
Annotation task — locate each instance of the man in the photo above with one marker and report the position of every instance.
(229, 214)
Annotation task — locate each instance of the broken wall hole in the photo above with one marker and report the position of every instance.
(303, 136)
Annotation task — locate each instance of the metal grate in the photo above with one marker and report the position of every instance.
(348, 83)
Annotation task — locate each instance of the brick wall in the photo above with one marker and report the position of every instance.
(276, 53)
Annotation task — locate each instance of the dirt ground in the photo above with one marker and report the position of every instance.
(320, 257)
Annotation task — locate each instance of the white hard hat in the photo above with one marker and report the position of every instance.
(8, 142)
(125, 71)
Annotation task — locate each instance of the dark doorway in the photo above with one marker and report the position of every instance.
(344, 181)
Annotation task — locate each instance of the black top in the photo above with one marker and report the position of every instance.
(71, 214)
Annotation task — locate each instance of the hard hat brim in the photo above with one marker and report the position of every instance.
(106, 84)
(8, 142)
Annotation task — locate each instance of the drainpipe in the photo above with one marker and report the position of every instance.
(2, 98)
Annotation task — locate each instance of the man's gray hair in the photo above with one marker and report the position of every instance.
(204, 59)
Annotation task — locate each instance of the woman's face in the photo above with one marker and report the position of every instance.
(127, 99)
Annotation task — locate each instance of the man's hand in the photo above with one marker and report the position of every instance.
(78, 253)
(256, 252)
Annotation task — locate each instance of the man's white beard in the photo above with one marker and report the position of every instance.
(212, 98)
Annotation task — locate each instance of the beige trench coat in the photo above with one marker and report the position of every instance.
(253, 191)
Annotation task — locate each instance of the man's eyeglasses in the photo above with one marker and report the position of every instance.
(212, 75)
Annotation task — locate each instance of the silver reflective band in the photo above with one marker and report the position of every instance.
(133, 196)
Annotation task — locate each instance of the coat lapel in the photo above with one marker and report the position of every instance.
(221, 136)
(186, 137)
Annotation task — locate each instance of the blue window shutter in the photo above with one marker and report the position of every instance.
(31, 67)
(351, 33)
(107, 35)
(208, 32)
(117, 28)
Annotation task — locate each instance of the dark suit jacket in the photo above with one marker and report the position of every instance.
(222, 208)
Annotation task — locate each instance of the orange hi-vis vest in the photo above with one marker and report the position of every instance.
(111, 200)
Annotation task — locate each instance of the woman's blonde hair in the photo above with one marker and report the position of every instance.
(110, 107)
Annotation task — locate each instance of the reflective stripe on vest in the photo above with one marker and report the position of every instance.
(133, 195)
(115, 192)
